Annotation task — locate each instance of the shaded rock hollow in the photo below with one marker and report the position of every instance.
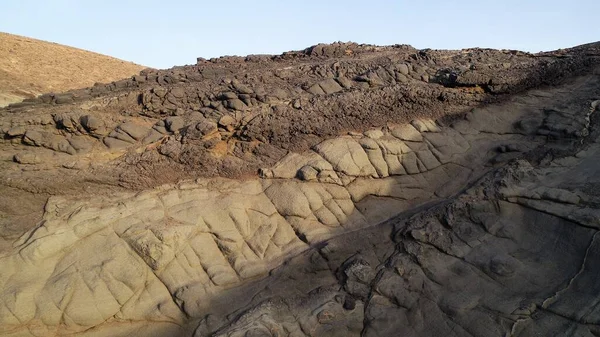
(342, 190)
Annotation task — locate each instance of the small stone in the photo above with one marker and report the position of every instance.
(136, 131)
(349, 303)
(174, 123)
(307, 173)
(178, 92)
(139, 78)
(344, 82)
(63, 99)
(236, 104)
(407, 132)
(315, 89)
(206, 127)
(401, 78)
(160, 92)
(419, 125)
(91, 123)
(241, 88)
(34, 138)
(226, 120)
(26, 158)
(227, 95)
(374, 134)
(16, 131)
(153, 136)
(161, 128)
(63, 121)
(296, 104)
(403, 69)
(80, 143)
(330, 86)
(265, 173)
(280, 93)
(76, 165)
(113, 143)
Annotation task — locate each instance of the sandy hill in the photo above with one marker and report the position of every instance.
(29, 67)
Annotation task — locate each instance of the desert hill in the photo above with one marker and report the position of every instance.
(30, 67)
(340, 190)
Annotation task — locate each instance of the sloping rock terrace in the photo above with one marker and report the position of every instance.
(343, 190)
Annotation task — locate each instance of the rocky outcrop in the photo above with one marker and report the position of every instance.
(479, 223)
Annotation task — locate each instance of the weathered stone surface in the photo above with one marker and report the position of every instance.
(27, 158)
(236, 104)
(316, 89)
(174, 123)
(134, 130)
(474, 219)
(34, 138)
(403, 69)
(330, 86)
(407, 132)
(92, 123)
(16, 131)
(114, 143)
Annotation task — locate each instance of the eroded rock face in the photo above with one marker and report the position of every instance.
(477, 224)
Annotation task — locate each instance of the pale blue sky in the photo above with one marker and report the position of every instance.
(166, 33)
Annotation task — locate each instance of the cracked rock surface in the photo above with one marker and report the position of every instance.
(343, 190)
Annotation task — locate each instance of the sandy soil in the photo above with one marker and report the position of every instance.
(30, 67)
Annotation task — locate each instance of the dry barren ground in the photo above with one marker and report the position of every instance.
(30, 67)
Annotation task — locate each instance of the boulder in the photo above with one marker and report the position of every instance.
(91, 123)
(403, 69)
(315, 89)
(227, 95)
(27, 158)
(344, 82)
(406, 132)
(330, 86)
(235, 104)
(241, 88)
(34, 138)
(115, 144)
(16, 131)
(226, 120)
(374, 134)
(307, 173)
(347, 156)
(178, 92)
(134, 130)
(174, 123)
(80, 143)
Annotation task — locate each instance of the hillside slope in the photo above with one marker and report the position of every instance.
(342, 190)
(30, 67)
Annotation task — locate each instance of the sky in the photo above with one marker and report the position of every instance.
(165, 33)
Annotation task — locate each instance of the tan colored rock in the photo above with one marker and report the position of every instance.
(16, 131)
(346, 156)
(27, 158)
(407, 132)
(374, 134)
